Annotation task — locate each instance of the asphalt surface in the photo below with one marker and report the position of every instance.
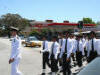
(30, 64)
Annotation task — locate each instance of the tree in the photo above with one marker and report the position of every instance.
(98, 23)
(0, 22)
(14, 20)
(88, 21)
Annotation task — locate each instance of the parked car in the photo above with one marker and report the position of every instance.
(32, 41)
(22, 39)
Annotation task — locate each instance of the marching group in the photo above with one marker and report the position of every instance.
(66, 49)
(63, 51)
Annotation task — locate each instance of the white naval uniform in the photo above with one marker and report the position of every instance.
(16, 54)
(69, 48)
(89, 45)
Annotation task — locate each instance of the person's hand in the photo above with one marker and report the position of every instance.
(67, 59)
(60, 59)
(72, 54)
(56, 57)
(11, 60)
(40, 51)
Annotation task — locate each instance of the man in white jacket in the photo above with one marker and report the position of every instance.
(79, 51)
(16, 52)
(92, 47)
(65, 54)
(53, 56)
(45, 55)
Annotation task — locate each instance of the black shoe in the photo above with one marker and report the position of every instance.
(43, 74)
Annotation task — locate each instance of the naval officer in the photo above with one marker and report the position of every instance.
(16, 52)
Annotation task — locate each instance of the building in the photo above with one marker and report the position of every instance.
(57, 27)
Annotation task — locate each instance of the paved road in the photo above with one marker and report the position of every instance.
(30, 63)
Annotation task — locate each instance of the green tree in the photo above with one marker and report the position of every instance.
(44, 32)
(88, 21)
(34, 33)
(14, 20)
(98, 23)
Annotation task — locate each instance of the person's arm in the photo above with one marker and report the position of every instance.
(62, 50)
(57, 47)
(82, 49)
(88, 48)
(96, 44)
(69, 49)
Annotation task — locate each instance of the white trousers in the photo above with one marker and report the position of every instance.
(14, 67)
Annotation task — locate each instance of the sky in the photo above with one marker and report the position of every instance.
(57, 10)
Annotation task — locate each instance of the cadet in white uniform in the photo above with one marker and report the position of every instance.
(74, 47)
(53, 56)
(79, 51)
(16, 52)
(92, 47)
(61, 39)
(85, 40)
(65, 54)
(45, 55)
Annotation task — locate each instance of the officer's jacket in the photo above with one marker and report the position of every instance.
(16, 47)
(55, 48)
(69, 48)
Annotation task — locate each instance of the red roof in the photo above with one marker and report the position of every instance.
(70, 24)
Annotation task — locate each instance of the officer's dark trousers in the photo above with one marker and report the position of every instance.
(66, 65)
(85, 52)
(79, 58)
(54, 66)
(46, 60)
(59, 62)
(92, 56)
(73, 57)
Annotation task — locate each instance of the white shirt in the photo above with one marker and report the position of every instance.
(55, 50)
(98, 47)
(90, 45)
(69, 48)
(16, 47)
(61, 43)
(45, 44)
(81, 47)
(74, 45)
(85, 41)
